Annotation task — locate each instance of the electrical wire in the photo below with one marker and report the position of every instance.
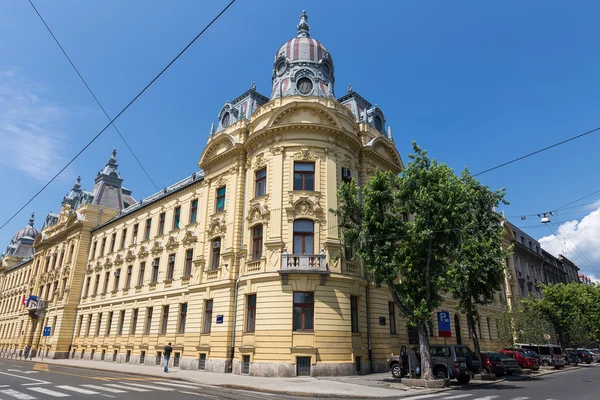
(537, 152)
(120, 113)
(92, 93)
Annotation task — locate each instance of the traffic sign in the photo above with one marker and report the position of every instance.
(444, 329)
(47, 330)
(219, 319)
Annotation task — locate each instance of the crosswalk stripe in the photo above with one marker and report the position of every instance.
(521, 398)
(426, 396)
(106, 389)
(17, 395)
(486, 398)
(458, 396)
(124, 386)
(149, 387)
(49, 392)
(76, 389)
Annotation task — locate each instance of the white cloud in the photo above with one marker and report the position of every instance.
(30, 127)
(579, 241)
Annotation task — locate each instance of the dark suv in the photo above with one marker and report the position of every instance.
(399, 364)
(585, 356)
(454, 362)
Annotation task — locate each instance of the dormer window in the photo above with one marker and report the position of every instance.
(226, 120)
(378, 123)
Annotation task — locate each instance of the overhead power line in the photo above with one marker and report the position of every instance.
(91, 92)
(120, 112)
(537, 152)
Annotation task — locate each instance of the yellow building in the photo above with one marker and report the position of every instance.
(240, 265)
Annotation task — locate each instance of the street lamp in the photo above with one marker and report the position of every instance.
(545, 219)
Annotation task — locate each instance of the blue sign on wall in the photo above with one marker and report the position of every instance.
(219, 319)
(444, 329)
(47, 330)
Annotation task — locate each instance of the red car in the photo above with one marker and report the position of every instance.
(524, 361)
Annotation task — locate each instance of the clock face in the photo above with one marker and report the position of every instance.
(304, 86)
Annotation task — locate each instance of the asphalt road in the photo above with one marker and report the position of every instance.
(576, 384)
(32, 381)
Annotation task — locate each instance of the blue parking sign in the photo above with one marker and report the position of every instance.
(444, 329)
(47, 330)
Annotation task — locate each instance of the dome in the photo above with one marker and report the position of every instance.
(303, 66)
(28, 231)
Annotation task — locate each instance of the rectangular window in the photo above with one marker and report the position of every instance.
(94, 246)
(106, 279)
(96, 284)
(354, 313)
(89, 325)
(134, 234)
(79, 325)
(143, 357)
(193, 211)
(348, 253)
(202, 362)
(109, 323)
(304, 306)
(246, 365)
(128, 278)
(221, 199)
(250, 312)
(165, 320)
(155, 265)
(257, 242)
(346, 175)
(392, 317)
(182, 317)
(134, 320)
(117, 279)
(113, 239)
(148, 228)
(141, 273)
(208, 308)
(98, 323)
(176, 217)
(71, 251)
(123, 238)
(102, 246)
(303, 366)
(189, 256)
(304, 176)
(261, 182)
(216, 253)
(149, 311)
(161, 223)
(171, 267)
(54, 324)
(121, 322)
(87, 286)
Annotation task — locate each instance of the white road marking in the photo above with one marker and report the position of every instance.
(203, 395)
(486, 398)
(521, 398)
(106, 389)
(149, 387)
(426, 396)
(183, 385)
(23, 377)
(76, 389)
(458, 396)
(17, 395)
(3, 386)
(49, 392)
(22, 372)
(135, 389)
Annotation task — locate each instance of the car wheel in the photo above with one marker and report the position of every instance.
(485, 371)
(588, 362)
(463, 380)
(440, 373)
(545, 363)
(396, 371)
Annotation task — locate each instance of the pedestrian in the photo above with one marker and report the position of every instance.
(26, 352)
(167, 352)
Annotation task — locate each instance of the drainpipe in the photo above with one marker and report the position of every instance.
(237, 279)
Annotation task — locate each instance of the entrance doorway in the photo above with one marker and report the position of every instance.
(457, 328)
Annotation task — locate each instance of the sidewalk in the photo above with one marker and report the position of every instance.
(367, 386)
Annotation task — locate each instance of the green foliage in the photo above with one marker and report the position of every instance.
(523, 325)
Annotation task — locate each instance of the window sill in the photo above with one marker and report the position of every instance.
(168, 281)
(249, 333)
(191, 224)
(139, 286)
(174, 230)
(307, 331)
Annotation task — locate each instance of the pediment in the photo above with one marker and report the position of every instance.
(296, 114)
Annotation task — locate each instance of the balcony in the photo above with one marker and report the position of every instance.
(303, 264)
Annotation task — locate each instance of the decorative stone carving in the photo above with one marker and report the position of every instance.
(130, 255)
(143, 251)
(304, 207)
(275, 150)
(305, 154)
(259, 161)
(189, 238)
(257, 212)
(157, 247)
(217, 226)
(172, 243)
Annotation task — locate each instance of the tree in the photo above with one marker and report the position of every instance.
(523, 325)
(477, 272)
(409, 256)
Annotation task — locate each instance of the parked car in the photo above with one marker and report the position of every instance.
(571, 357)
(511, 366)
(492, 364)
(398, 365)
(586, 356)
(524, 361)
(457, 361)
(596, 354)
(549, 356)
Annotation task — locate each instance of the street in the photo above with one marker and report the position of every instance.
(31, 381)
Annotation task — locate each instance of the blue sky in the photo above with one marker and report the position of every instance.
(476, 83)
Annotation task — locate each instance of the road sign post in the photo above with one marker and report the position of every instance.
(45, 333)
(444, 329)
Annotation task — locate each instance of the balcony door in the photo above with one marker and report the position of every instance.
(304, 236)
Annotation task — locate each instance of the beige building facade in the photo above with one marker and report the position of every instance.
(240, 265)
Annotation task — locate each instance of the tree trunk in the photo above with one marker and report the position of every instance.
(426, 372)
(471, 324)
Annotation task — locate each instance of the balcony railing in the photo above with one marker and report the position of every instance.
(303, 262)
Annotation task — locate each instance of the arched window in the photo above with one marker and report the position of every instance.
(257, 242)
(216, 253)
(304, 236)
